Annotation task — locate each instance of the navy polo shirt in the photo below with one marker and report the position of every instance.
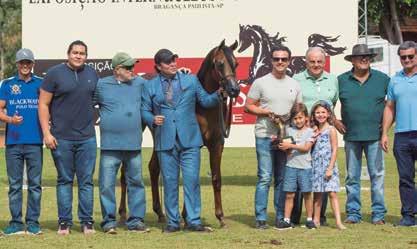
(22, 99)
(362, 105)
(71, 109)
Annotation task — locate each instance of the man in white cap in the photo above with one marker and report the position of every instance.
(19, 95)
(119, 99)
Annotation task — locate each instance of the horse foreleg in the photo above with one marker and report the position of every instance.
(154, 171)
(122, 206)
(215, 162)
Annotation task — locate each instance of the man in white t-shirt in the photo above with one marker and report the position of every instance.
(273, 93)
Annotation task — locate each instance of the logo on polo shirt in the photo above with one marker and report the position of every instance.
(16, 89)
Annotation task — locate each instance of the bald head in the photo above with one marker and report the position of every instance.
(315, 61)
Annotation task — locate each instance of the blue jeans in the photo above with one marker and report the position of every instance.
(16, 155)
(110, 161)
(271, 162)
(188, 160)
(405, 152)
(375, 163)
(75, 158)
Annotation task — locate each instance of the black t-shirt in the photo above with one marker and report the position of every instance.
(71, 108)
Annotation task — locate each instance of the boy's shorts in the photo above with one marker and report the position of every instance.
(297, 179)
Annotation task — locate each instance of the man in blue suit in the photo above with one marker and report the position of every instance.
(168, 106)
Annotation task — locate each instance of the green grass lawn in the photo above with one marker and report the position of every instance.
(239, 178)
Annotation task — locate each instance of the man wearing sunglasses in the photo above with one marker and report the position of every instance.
(119, 100)
(19, 96)
(276, 93)
(401, 106)
(168, 106)
(362, 92)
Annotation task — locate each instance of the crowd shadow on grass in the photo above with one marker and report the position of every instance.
(151, 223)
(240, 180)
(249, 220)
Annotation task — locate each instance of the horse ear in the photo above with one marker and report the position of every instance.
(234, 45)
(222, 44)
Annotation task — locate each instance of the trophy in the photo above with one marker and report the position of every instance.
(280, 122)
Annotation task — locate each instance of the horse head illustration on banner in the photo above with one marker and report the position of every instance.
(262, 42)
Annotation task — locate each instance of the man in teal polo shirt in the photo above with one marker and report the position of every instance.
(362, 92)
(401, 106)
(316, 84)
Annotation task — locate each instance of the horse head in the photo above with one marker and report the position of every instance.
(225, 65)
(245, 37)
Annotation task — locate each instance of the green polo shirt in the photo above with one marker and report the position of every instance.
(362, 105)
(313, 90)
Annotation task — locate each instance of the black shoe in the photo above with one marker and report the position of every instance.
(196, 228)
(323, 223)
(261, 224)
(140, 228)
(171, 229)
(283, 225)
(310, 224)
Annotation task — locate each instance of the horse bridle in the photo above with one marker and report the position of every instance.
(225, 127)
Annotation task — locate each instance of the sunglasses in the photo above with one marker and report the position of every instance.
(410, 57)
(128, 68)
(169, 61)
(278, 59)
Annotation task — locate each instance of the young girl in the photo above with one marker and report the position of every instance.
(298, 168)
(325, 172)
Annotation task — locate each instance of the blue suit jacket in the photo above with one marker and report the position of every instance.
(179, 119)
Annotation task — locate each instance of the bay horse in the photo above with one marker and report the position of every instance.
(218, 69)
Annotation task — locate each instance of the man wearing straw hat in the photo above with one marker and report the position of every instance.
(362, 92)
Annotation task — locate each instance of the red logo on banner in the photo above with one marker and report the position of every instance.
(239, 115)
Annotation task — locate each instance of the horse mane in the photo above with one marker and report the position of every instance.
(273, 40)
(206, 65)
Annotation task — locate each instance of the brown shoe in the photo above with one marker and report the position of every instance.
(379, 222)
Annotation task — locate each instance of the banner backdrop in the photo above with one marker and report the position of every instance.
(191, 28)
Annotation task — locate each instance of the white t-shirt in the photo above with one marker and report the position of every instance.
(276, 95)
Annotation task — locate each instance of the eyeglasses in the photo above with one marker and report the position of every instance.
(409, 56)
(128, 68)
(278, 59)
(362, 57)
(169, 61)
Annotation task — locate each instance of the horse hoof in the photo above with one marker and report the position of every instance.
(161, 219)
(223, 224)
(122, 220)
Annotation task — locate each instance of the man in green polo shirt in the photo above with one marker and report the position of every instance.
(316, 84)
(362, 92)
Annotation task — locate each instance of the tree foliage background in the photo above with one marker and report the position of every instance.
(388, 15)
(10, 35)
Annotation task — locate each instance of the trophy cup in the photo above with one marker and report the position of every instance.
(280, 122)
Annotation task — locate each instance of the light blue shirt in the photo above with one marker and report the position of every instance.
(120, 116)
(402, 89)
